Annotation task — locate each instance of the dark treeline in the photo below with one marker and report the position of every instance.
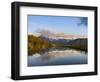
(80, 44)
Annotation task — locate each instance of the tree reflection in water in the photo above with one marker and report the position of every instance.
(57, 56)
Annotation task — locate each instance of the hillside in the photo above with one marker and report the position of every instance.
(79, 44)
(36, 44)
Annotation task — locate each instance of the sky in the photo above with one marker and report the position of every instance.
(57, 24)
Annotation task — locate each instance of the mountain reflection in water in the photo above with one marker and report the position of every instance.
(57, 56)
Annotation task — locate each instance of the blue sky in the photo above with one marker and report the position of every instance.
(58, 24)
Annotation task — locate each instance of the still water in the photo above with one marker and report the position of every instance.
(58, 56)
